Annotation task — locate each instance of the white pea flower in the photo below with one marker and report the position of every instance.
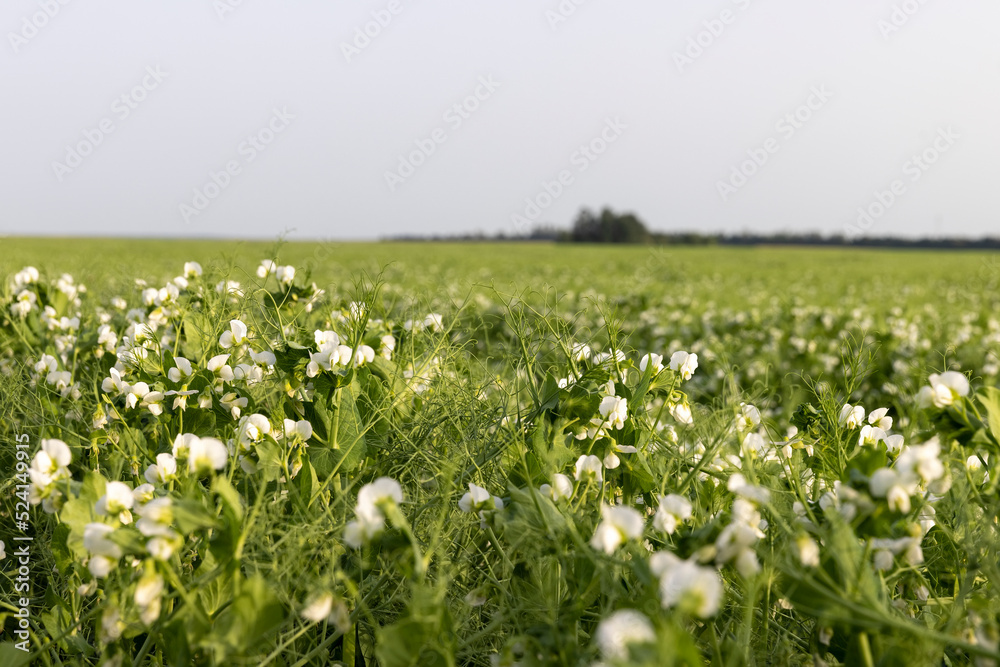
(163, 471)
(206, 455)
(808, 551)
(363, 355)
(264, 358)
(182, 444)
(147, 597)
(475, 499)
(739, 485)
(107, 339)
(182, 369)
(894, 443)
(156, 517)
(251, 428)
(614, 410)
(672, 511)
(326, 339)
(383, 490)
(116, 501)
(26, 276)
(48, 466)
(923, 460)
(588, 467)
(682, 413)
(434, 322)
(655, 360)
(266, 268)
(135, 393)
(248, 373)
(581, 352)
(687, 585)
(298, 430)
(318, 609)
(480, 501)
(749, 417)
(192, 269)
(114, 383)
(880, 419)
(684, 364)
(47, 364)
(218, 366)
(285, 274)
(359, 532)
(871, 435)
(373, 498)
(162, 547)
(618, 525)
(943, 390)
(104, 552)
(143, 493)
(152, 401)
(895, 488)
(974, 463)
(622, 629)
(388, 345)
(56, 452)
(234, 403)
(852, 416)
(560, 489)
(237, 335)
(736, 541)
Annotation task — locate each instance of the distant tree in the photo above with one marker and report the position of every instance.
(609, 227)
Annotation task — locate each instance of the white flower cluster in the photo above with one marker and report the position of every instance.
(917, 467)
(375, 500)
(49, 465)
(334, 356)
(875, 431)
(943, 390)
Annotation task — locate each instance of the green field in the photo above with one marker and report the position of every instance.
(498, 454)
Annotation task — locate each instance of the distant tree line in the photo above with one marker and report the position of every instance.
(611, 227)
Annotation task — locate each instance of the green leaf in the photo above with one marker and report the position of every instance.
(270, 459)
(348, 440)
(548, 397)
(11, 656)
(306, 482)
(253, 615)
(289, 357)
(200, 422)
(991, 401)
(229, 495)
(190, 516)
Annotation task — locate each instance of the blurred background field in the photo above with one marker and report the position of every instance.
(723, 275)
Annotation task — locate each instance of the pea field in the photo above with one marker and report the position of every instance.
(289, 454)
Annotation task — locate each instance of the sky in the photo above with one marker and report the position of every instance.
(373, 119)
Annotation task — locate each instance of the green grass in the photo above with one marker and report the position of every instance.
(828, 272)
(794, 547)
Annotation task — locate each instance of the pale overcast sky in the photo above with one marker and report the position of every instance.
(728, 115)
